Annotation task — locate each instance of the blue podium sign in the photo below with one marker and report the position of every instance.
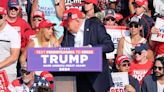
(63, 59)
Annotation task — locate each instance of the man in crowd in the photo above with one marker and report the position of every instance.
(155, 82)
(141, 9)
(28, 82)
(83, 32)
(10, 46)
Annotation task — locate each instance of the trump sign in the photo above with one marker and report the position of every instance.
(65, 59)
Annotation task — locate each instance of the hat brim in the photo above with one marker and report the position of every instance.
(135, 4)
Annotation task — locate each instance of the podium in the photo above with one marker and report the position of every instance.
(65, 60)
(65, 84)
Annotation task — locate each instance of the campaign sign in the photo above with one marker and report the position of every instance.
(3, 81)
(82, 59)
(120, 79)
(116, 32)
(73, 4)
(159, 24)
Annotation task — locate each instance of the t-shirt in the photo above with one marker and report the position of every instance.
(21, 26)
(160, 87)
(9, 38)
(27, 36)
(139, 71)
(4, 4)
(160, 48)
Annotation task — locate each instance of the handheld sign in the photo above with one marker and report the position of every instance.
(116, 32)
(120, 79)
(160, 36)
(3, 81)
(82, 59)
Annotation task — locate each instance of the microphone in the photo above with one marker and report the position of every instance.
(68, 17)
(66, 30)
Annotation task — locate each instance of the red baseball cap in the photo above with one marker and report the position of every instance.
(38, 13)
(92, 1)
(49, 77)
(73, 13)
(2, 10)
(46, 24)
(121, 58)
(141, 3)
(118, 16)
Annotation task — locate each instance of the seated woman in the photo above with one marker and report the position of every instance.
(127, 43)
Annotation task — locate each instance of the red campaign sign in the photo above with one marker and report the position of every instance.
(3, 82)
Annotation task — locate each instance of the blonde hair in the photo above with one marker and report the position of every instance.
(40, 36)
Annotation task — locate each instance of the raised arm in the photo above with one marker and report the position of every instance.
(60, 7)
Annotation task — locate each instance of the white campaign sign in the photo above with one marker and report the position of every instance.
(120, 79)
(160, 36)
(116, 32)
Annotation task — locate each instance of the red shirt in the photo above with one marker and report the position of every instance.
(27, 35)
(139, 71)
(4, 4)
(160, 48)
(21, 26)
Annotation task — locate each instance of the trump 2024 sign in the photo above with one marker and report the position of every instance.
(83, 59)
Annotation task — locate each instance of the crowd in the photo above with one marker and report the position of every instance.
(50, 23)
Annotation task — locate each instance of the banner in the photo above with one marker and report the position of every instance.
(120, 79)
(73, 4)
(116, 32)
(159, 24)
(82, 59)
(3, 81)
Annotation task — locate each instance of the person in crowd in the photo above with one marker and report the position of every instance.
(109, 19)
(157, 47)
(150, 11)
(10, 46)
(127, 43)
(15, 21)
(91, 9)
(28, 82)
(123, 65)
(83, 32)
(37, 17)
(141, 66)
(44, 38)
(155, 81)
(141, 9)
(18, 23)
(53, 10)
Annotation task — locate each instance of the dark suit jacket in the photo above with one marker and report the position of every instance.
(95, 35)
(147, 23)
(149, 84)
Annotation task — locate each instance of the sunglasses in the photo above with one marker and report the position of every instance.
(111, 18)
(134, 25)
(139, 53)
(37, 19)
(25, 72)
(159, 68)
(1, 17)
(125, 65)
(16, 9)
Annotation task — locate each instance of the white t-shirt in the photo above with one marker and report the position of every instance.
(160, 87)
(9, 38)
